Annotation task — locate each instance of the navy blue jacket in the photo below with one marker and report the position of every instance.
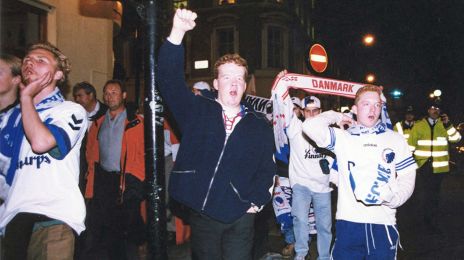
(221, 180)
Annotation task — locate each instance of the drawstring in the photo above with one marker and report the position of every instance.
(367, 241)
(372, 235)
(367, 237)
(399, 241)
(388, 235)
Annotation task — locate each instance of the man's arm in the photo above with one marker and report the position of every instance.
(38, 135)
(172, 85)
(398, 191)
(453, 135)
(184, 20)
(317, 128)
(294, 128)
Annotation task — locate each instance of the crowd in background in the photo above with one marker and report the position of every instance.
(70, 166)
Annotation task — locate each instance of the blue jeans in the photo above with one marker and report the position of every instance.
(302, 198)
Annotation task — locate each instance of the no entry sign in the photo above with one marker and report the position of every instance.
(318, 58)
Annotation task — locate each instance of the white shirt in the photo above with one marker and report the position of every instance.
(46, 185)
(304, 168)
(362, 159)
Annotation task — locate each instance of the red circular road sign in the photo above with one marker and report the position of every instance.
(318, 58)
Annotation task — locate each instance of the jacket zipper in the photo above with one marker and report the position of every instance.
(214, 175)
(217, 166)
(431, 143)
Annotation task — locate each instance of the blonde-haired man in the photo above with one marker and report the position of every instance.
(377, 175)
(44, 137)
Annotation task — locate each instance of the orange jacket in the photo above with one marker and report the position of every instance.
(132, 147)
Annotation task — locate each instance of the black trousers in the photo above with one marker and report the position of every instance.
(428, 189)
(212, 240)
(18, 234)
(115, 228)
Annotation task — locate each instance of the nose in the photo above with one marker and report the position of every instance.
(28, 62)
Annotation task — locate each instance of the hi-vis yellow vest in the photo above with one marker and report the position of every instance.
(432, 142)
(404, 130)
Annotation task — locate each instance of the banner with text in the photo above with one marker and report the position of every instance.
(283, 106)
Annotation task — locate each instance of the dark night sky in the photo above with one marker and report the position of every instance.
(419, 46)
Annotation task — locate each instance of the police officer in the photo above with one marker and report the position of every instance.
(430, 137)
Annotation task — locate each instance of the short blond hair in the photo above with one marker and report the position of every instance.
(13, 62)
(62, 61)
(367, 88)
(231, 58)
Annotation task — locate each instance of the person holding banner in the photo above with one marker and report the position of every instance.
(377, 175)
(310, 184)
(224, 170)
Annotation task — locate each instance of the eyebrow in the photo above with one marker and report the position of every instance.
(37, 56)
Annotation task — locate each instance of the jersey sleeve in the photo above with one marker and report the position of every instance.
(399, 189)
(405, 162)
(294, 128)
(318, 129)
(67, 124)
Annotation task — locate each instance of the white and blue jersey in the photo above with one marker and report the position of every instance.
(5, 160)
(304, 167)
(376, 168)
(46, 183)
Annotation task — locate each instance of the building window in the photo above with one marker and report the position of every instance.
(180, 4)
(275, 47)
(225, 41)
(226, 2)
(20, 25)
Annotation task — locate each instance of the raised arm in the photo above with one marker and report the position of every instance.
(38, 135)
(172, 84)
(184, 20)
(317, 128)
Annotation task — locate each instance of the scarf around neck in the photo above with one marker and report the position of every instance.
(13, 133)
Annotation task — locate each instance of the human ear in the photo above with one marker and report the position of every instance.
(58, 75)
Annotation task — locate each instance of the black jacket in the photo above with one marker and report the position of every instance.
(221, 180)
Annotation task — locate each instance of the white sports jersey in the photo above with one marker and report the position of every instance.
(304, 167)
(48, 183)
(375, 165)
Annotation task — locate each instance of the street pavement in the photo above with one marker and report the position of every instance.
(418, 241)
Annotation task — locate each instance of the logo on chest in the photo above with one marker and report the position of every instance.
(311, 153)
(34, 161)
(388, 155)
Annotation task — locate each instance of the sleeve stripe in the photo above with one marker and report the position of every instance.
(332, 139)
(62, 140)
(405, 163)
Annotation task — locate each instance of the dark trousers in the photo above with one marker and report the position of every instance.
(212, 240)
(114, 228)
(429, 186)
(18, 234)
